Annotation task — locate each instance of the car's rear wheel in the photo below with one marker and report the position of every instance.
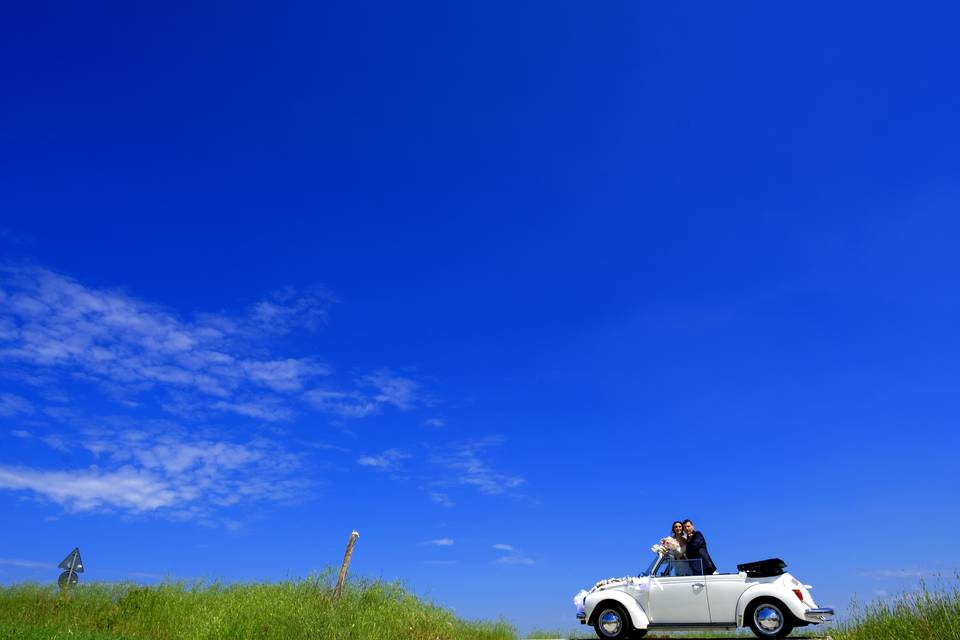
(769, 618)
(613, 622)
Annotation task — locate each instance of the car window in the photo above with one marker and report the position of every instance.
(677, 568)
(651, 567)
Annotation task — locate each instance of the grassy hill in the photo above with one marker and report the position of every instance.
(367, 611)
(180, 611)
(927, 614)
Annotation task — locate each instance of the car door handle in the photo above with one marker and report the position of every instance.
(698, 585)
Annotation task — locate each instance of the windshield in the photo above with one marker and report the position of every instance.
(653, 565)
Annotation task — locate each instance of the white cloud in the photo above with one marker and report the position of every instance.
(374, 392)
(341, 403)
(13, 237)
(263, 409)
(127, 488)
(283, 375)
(390, 389)
(20, 433)
(442, 499)
(181, 477)
(55, 328)
(469, 467)
(54, 441)
(440, 542)
(388, 460)
(511, 555)
(436, 423)
(11, 405)
(898, 573)
(289, 309)
(59, 326)
(27, 564)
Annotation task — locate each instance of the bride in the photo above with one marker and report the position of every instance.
(676, 543)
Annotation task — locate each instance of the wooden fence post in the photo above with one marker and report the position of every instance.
(346, 563)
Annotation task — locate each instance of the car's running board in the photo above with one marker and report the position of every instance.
(691, 625)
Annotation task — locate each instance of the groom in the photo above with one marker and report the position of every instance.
(697, 548)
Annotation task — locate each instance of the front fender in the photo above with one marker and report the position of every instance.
(637, 615)
(775, 591)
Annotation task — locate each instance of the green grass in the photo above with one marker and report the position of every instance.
(180, 611)
(367, 611)
(927, 614)
(21, 631)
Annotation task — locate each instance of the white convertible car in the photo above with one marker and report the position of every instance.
(675, 595)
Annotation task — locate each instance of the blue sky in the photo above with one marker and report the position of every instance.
(507, 288)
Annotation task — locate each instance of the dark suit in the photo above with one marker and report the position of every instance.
(697, 548)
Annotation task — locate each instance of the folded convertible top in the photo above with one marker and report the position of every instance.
(763, 568)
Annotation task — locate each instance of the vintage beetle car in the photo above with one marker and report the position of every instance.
(675, 595)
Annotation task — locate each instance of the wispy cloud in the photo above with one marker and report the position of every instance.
(468, 464)
(436, 423)
(57, 325)
(345, 404)
(386, 461)
(58, 328)
(511, 555)
(372, 393)
(12, 405)
(55, 441)
(13, 237)
(27, 564)
(181, 477)
(440, 542)
(82, 490)
(389, 389)
(268, 409)
(898, 573)
(442, 499)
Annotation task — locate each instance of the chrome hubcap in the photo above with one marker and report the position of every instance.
(610, 623)
(768, 618)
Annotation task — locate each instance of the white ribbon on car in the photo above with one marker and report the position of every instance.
(579, 599)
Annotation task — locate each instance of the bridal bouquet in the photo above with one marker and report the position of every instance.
(670, 544)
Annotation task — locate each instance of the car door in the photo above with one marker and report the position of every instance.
(723, 593)
(678, 595)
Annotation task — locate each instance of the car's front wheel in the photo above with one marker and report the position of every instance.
(769, 618)
(613, 623)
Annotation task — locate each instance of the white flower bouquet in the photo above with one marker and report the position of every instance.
(611, 581)
(669, 544)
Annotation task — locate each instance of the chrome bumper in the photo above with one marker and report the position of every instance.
(822, 615)
(581, 615)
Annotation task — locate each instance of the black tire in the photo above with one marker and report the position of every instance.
(769, 618)
(612, 622)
